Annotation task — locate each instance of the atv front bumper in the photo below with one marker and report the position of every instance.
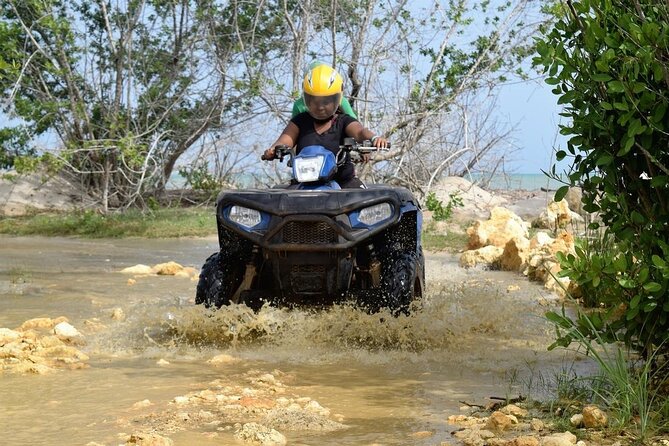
(311, 221)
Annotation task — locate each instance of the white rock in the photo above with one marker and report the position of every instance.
(259, 434)
(118, 314)
(488, 255)
(7, 335)
(560, 439)
(313, 406)
(138, 270)
(66, 331)
(576, 420)
(142, 404)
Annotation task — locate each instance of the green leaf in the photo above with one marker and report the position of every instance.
(620, 263)
(628, 142)
(627, 283)
(650, 306)
(632, 313)
(596, 281)
(561, 193)
(658, 261)
(652, 287)
(604, 160)
(601, 77)
(616, 87)
(559, 320)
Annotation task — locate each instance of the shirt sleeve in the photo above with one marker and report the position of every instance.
(346, 120)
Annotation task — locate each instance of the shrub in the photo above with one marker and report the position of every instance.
(439, 211)
(609, 64)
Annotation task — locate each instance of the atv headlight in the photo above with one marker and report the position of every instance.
(244, 216)
(308, 169)
(375, 214)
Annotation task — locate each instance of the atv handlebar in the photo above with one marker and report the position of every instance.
(350, 145)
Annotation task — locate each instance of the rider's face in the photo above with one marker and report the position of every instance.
(321, 107)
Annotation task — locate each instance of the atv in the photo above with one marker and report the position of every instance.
(311, 243)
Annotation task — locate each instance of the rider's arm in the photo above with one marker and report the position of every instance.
(288, 137)
(360, 133)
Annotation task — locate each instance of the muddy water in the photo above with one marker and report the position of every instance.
(382, 379)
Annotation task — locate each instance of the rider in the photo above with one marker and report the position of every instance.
(325, 124)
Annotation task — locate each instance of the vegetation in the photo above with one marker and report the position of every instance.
(609, 63)
(634, 393)
(159, 223)
(133, 91)
(439, 211)
(435, 240)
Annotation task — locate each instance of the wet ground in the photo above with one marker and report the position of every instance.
(379, 380)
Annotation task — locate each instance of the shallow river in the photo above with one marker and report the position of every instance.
(384, 381)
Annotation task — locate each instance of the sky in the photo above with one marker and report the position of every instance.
(532, 108)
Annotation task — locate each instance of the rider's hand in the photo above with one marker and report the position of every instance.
(380, 142)
(269, 154)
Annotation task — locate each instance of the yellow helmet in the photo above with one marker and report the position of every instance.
(322, 91)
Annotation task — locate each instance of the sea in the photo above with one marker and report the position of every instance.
(515, 181)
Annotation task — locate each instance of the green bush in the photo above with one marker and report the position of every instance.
(439, 211)
(609, 64)
(595, 269)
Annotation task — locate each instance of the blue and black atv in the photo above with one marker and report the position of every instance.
(312, 243)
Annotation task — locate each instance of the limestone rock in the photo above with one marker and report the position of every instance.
(540, 240)
(556, 215)
(41, 323)
(594, 417)
(66, 332)
(559, 439)
(537, 425)
(149, 440)
(34, 348)
(258, 434)
(488, 255)
(524, 440)
(574, 199)
(474, 436)
(167, 269)
(476, 201)
(142, 404)
(138, 270)
(515, 255)
(7, 335)
(499, 422)
(576, 420)
(502, 226)
(512, 409)
(118, 314)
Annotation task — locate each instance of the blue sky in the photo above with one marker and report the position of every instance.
(532, 108)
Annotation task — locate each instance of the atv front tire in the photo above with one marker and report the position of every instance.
(398, 282)
(219, 279)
